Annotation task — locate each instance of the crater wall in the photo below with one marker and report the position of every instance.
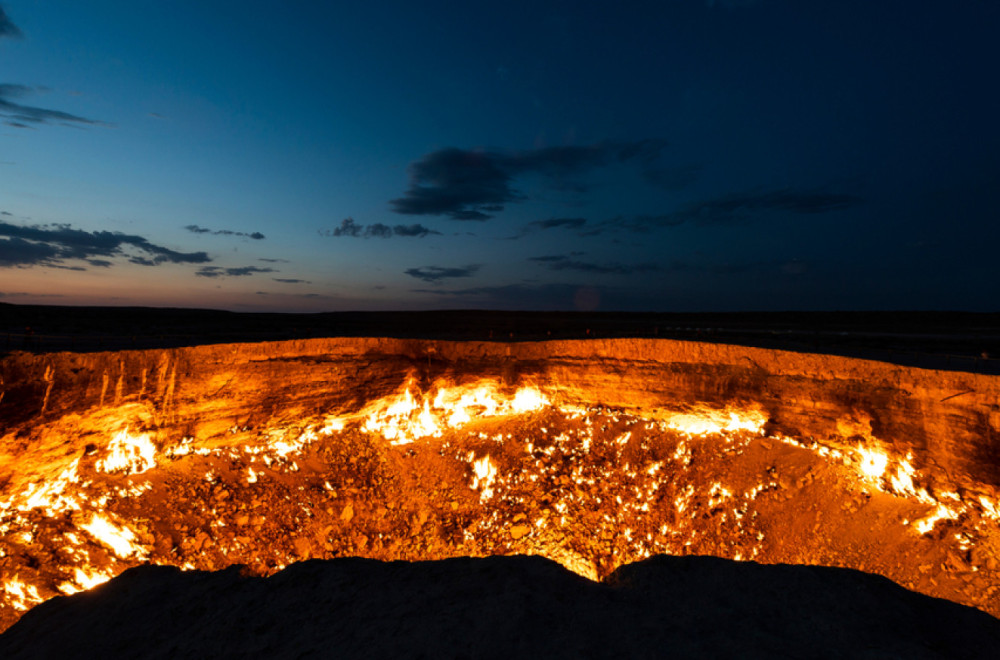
(949, 421)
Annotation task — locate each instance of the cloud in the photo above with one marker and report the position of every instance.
(734, 207)
(559, 262)
(553, 223)
(290, 281)
(51, 245)
(348, 227)
(7, 27)
(257, 236)
(435, 274)
(550, 296)
(25, 294)
(241, 271)
(19, 252)
(273, 261)
(21, 116)
(472, 184)
(729, 209)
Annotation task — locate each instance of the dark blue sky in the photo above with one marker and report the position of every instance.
(740, 155)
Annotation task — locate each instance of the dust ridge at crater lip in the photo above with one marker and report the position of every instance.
(594, 453)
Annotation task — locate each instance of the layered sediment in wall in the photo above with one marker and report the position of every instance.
(950, 421)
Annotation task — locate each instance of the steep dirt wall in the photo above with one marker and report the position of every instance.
(949, 420)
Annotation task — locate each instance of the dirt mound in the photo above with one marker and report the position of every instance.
(502, 607)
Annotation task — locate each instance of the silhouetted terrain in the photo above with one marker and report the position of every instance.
(943, 340)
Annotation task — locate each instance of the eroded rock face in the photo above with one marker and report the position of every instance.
(265, 454)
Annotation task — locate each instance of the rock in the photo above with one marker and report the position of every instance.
(303, 547)
(517, 531)
(347, 514)
(955, 562)
(202, 541)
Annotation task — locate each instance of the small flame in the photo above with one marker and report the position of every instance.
(873, 462)
(131, 454)
(942, 512)
(90, 580)
(485, 474)
(21, 596)
(120, 539)
(50, 497)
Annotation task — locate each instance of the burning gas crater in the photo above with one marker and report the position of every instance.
(483, 469)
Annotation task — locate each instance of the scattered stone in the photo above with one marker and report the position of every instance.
(955, 562)
(347, 514)
(517, 531)
(302, 547)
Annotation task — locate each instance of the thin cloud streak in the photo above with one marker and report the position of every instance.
(435, 274)
(257, 236)
(558, 262)
(20, 116)
(725, 210)
(240, 271)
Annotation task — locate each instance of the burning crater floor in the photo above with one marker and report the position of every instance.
(595, 455)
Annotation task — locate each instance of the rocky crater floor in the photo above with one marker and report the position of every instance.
(593, 454)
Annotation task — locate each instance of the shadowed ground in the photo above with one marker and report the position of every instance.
(503, 607)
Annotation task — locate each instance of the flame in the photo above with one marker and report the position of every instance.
(131, 454)
(51, 497)
(404, 418)
(120, 539)
(21, 596)
(708, 421)
(485, 474)
(873, 462)
(941, 512)
(83, 580)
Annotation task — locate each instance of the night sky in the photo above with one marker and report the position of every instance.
(686, 155)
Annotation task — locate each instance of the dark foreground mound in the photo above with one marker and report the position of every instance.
(502, 607)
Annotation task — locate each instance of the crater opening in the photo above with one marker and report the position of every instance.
(592, 453)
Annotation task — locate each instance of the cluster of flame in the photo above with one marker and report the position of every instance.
(410, 417)
(403, 419)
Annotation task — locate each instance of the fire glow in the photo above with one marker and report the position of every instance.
(478, 469)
